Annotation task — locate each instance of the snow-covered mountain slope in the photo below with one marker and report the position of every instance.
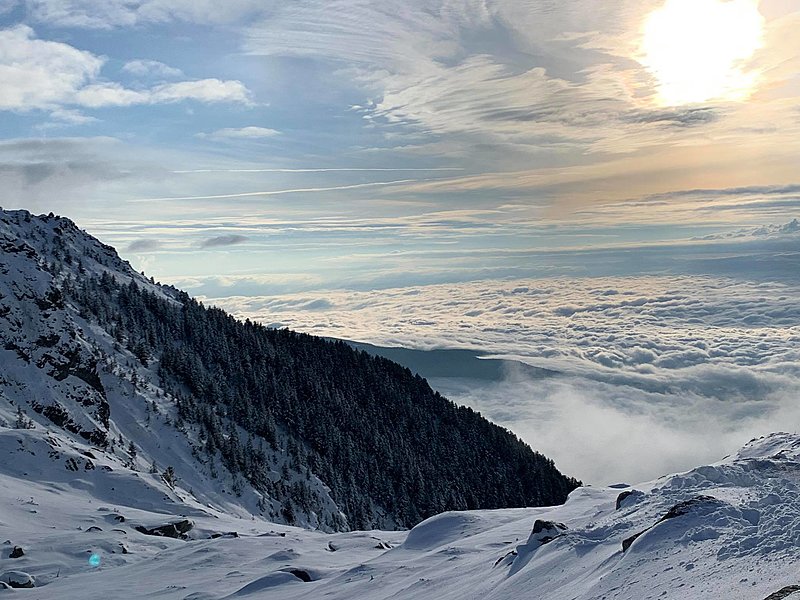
(85, 411)
(729, 530)
(108, 368)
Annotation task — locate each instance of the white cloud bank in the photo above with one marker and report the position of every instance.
(639, 327)
(47, 75)
(150, 68)
(108, 14)
(605, 433)
(658, 372)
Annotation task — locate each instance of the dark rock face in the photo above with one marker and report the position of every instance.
(540, 526)
(626, 543)
(57, 415)
(545, 532)
(784, 593)
(177, 530)
(301, 575)
(17, 552)
(621, 498)
(627, 498)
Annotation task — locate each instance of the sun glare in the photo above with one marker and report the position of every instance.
(697, 49)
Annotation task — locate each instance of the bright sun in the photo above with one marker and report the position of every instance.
(697, 49)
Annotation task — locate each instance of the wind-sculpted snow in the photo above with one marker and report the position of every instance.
(728, 530)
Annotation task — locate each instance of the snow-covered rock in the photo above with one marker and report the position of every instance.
(544, 532)
(18, 579)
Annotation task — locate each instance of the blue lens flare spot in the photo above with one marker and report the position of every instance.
(94, 560)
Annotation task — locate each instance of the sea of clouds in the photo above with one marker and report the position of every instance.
(656, 373)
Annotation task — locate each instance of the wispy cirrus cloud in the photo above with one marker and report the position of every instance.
(100, 95)
(241, 133)
(520, 79)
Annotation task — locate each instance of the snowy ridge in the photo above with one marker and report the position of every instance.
(58, 239)
(82, 409)
(728, 530)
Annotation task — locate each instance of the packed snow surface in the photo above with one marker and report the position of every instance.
(729, 530)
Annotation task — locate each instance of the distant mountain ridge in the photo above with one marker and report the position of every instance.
(280, 425)
(455, 363)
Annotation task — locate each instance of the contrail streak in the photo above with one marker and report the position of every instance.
(312, 170)
(279, 192)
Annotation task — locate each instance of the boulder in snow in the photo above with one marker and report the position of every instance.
(627, 498)
(300, 574)
(17, 552)
(177, 530)
(545, 532)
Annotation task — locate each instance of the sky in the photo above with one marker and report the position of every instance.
(605, 188)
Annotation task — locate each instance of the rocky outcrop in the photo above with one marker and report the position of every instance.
(627, 498)
(545, 532)
(300, 574)
(177, 530)
(784, 593)
(626, 543)
(18, 579)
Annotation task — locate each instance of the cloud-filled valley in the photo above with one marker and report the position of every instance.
(655, 370)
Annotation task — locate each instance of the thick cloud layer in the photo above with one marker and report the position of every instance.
(657, 372)
(618, 326)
